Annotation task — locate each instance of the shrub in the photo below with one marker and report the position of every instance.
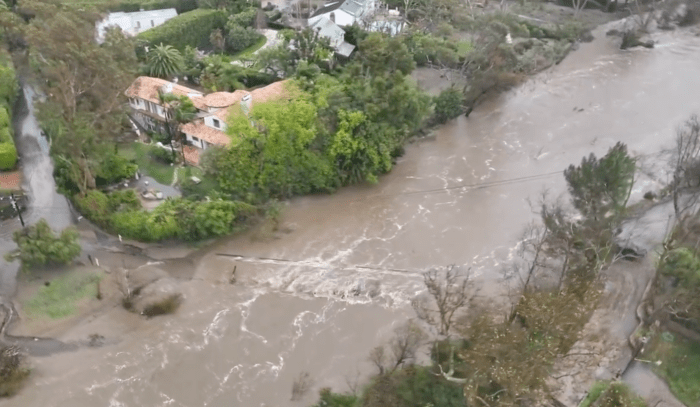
(39, 246)
(8, 82)
(131, 224)
(161, 154)
(120, 201)
(8, 156)
(192, 28)
(448, 105)
(13, 372)
(4, 118)
(243, 19)
(114, 169)
(5, 135)
(167, 306)
(95, 206)
(182, 6)
(240, 38)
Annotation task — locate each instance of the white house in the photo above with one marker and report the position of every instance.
(134, 23)
(344, 12)
(209, 126)
(328, 29)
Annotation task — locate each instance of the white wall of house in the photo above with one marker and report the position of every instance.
(215, 123)
(134, 23)
(195, 141)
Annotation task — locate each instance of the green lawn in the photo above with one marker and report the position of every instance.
(138, 152)
(58, 299)
(680, 367)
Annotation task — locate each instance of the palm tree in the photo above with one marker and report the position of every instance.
(164, 61)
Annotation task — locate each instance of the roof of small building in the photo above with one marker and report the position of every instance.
(352, 7)
(146, 87)
(327, 28)
(345, 49)
(206, 133)
(327, 8)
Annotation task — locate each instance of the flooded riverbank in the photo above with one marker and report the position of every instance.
(318, 298)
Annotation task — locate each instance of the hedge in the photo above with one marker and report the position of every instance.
(8, 156)
(182, 6)
(192, 28)
(8, 82)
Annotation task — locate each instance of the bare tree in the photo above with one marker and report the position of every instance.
(578, 5)
(378, 357)
(450, 289)
(406, 341)
(402, 348)
(685, 168)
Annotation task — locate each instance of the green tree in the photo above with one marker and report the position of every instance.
(273, 158)
(164, 61)
(380, 53)
(85, 83)
(448, 104)
(39, 246)
(240, 38)
(600, 188)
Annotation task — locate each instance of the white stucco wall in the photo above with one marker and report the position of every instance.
(209, 121)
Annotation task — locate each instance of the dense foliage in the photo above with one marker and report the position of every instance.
(39, 246)
(121, 213)
(336, 131)
(181, 6)
(188, 29)
(163, 61)
(448, 104)
(8, 155)
(8, 92)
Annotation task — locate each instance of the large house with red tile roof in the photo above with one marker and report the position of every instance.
(209, 126)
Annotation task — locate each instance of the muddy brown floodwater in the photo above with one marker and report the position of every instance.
(461, 198)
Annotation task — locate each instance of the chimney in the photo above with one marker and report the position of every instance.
(245, 103)
(167, 88)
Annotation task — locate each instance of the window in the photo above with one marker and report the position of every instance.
(195, 139)
(216, 123)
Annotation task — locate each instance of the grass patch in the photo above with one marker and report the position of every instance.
(58, 299)
(680, 366)
(613, 394)
(248, 52)
(138, 153)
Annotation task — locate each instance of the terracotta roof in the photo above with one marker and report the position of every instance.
(206, 133)
(191, 155)
(223, 99)
(147, 88)
(268, 93)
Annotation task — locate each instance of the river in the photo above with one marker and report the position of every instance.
(458, 199)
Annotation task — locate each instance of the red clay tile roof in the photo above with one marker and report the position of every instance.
(268, 93)
(223, 99)
(191, 154)
(147, 88)
(206, 133)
